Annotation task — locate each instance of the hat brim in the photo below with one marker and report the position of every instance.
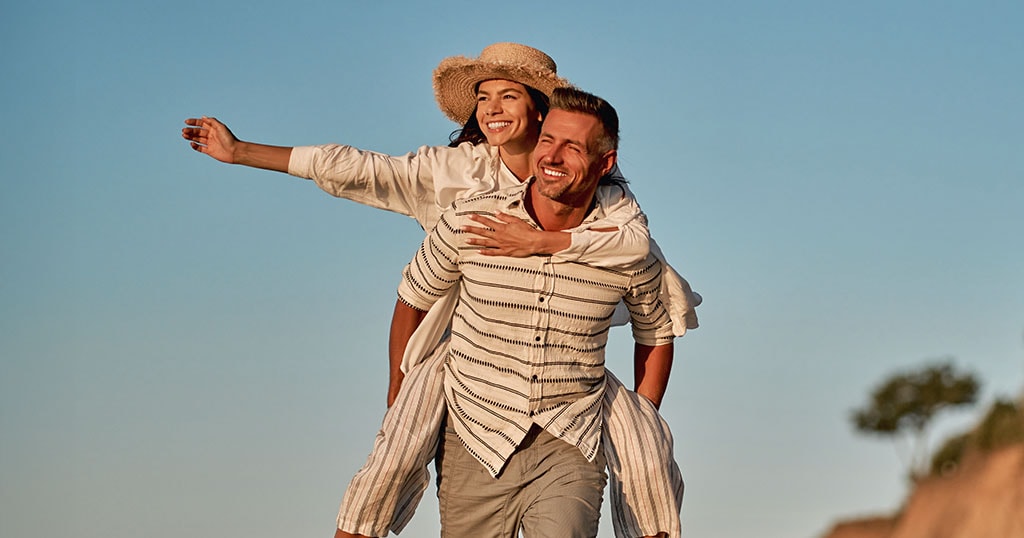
(456, 80)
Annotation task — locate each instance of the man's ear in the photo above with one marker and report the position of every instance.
(608, 161)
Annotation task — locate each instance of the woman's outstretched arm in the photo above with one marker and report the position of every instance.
(209, 136)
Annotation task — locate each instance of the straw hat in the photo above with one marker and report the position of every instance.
(456, 77)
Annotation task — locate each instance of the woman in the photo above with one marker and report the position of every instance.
(424, 183)
(500, 99)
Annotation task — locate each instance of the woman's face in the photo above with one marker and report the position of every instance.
(506, 113)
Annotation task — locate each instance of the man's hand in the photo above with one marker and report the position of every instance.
(512, 236)
(394, 385)
(209, 136)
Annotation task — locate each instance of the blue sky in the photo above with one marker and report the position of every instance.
(190, 347)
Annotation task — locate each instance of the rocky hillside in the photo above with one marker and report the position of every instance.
(976, 489)
(984, 498)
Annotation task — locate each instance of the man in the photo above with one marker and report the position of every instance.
(524, 375)
(644, 480)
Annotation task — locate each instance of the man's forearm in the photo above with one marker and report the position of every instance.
(651, 368)
(404, 322)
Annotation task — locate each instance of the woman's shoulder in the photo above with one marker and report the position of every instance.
(614, 187)
(465, 150)
(460, 171)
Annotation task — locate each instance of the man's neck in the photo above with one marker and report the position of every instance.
(551, 215)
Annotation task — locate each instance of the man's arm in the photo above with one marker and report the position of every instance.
(433, 271)
(651, 368)
(209, 136)
(404, 322)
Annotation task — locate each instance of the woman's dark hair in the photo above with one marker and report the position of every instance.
(471, 132)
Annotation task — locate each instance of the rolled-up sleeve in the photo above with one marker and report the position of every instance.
(649, 316)
(618, 239)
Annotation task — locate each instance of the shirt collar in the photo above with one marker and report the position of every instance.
(515, 204)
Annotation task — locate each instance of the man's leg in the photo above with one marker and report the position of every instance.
(562, 491)
(471, 501)
(646, 485)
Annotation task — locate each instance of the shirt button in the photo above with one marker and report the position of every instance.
(536, 338)
(534, 379)
(542, 299)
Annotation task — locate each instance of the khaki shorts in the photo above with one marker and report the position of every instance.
(547, 489)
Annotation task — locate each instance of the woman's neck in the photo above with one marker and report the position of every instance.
(517, 159)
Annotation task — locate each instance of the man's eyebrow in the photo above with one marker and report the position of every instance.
(574, 142)
(568, 141)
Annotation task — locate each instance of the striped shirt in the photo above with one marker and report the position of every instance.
(528, 334)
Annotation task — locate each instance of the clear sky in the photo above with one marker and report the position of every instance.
(190, 348)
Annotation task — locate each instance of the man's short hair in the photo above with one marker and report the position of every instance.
(573, 100)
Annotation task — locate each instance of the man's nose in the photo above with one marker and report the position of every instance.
(553, 155)
(557, 152)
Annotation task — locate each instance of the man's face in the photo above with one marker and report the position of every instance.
(567, 160)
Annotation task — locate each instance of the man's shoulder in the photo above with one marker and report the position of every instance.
(639, 274)
(646, 268)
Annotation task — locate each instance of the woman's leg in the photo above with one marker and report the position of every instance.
(646, 485)
(384, 494)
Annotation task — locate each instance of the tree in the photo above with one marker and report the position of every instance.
(906, 402)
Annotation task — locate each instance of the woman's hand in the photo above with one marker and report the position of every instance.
(505, 235)
(209, 136)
